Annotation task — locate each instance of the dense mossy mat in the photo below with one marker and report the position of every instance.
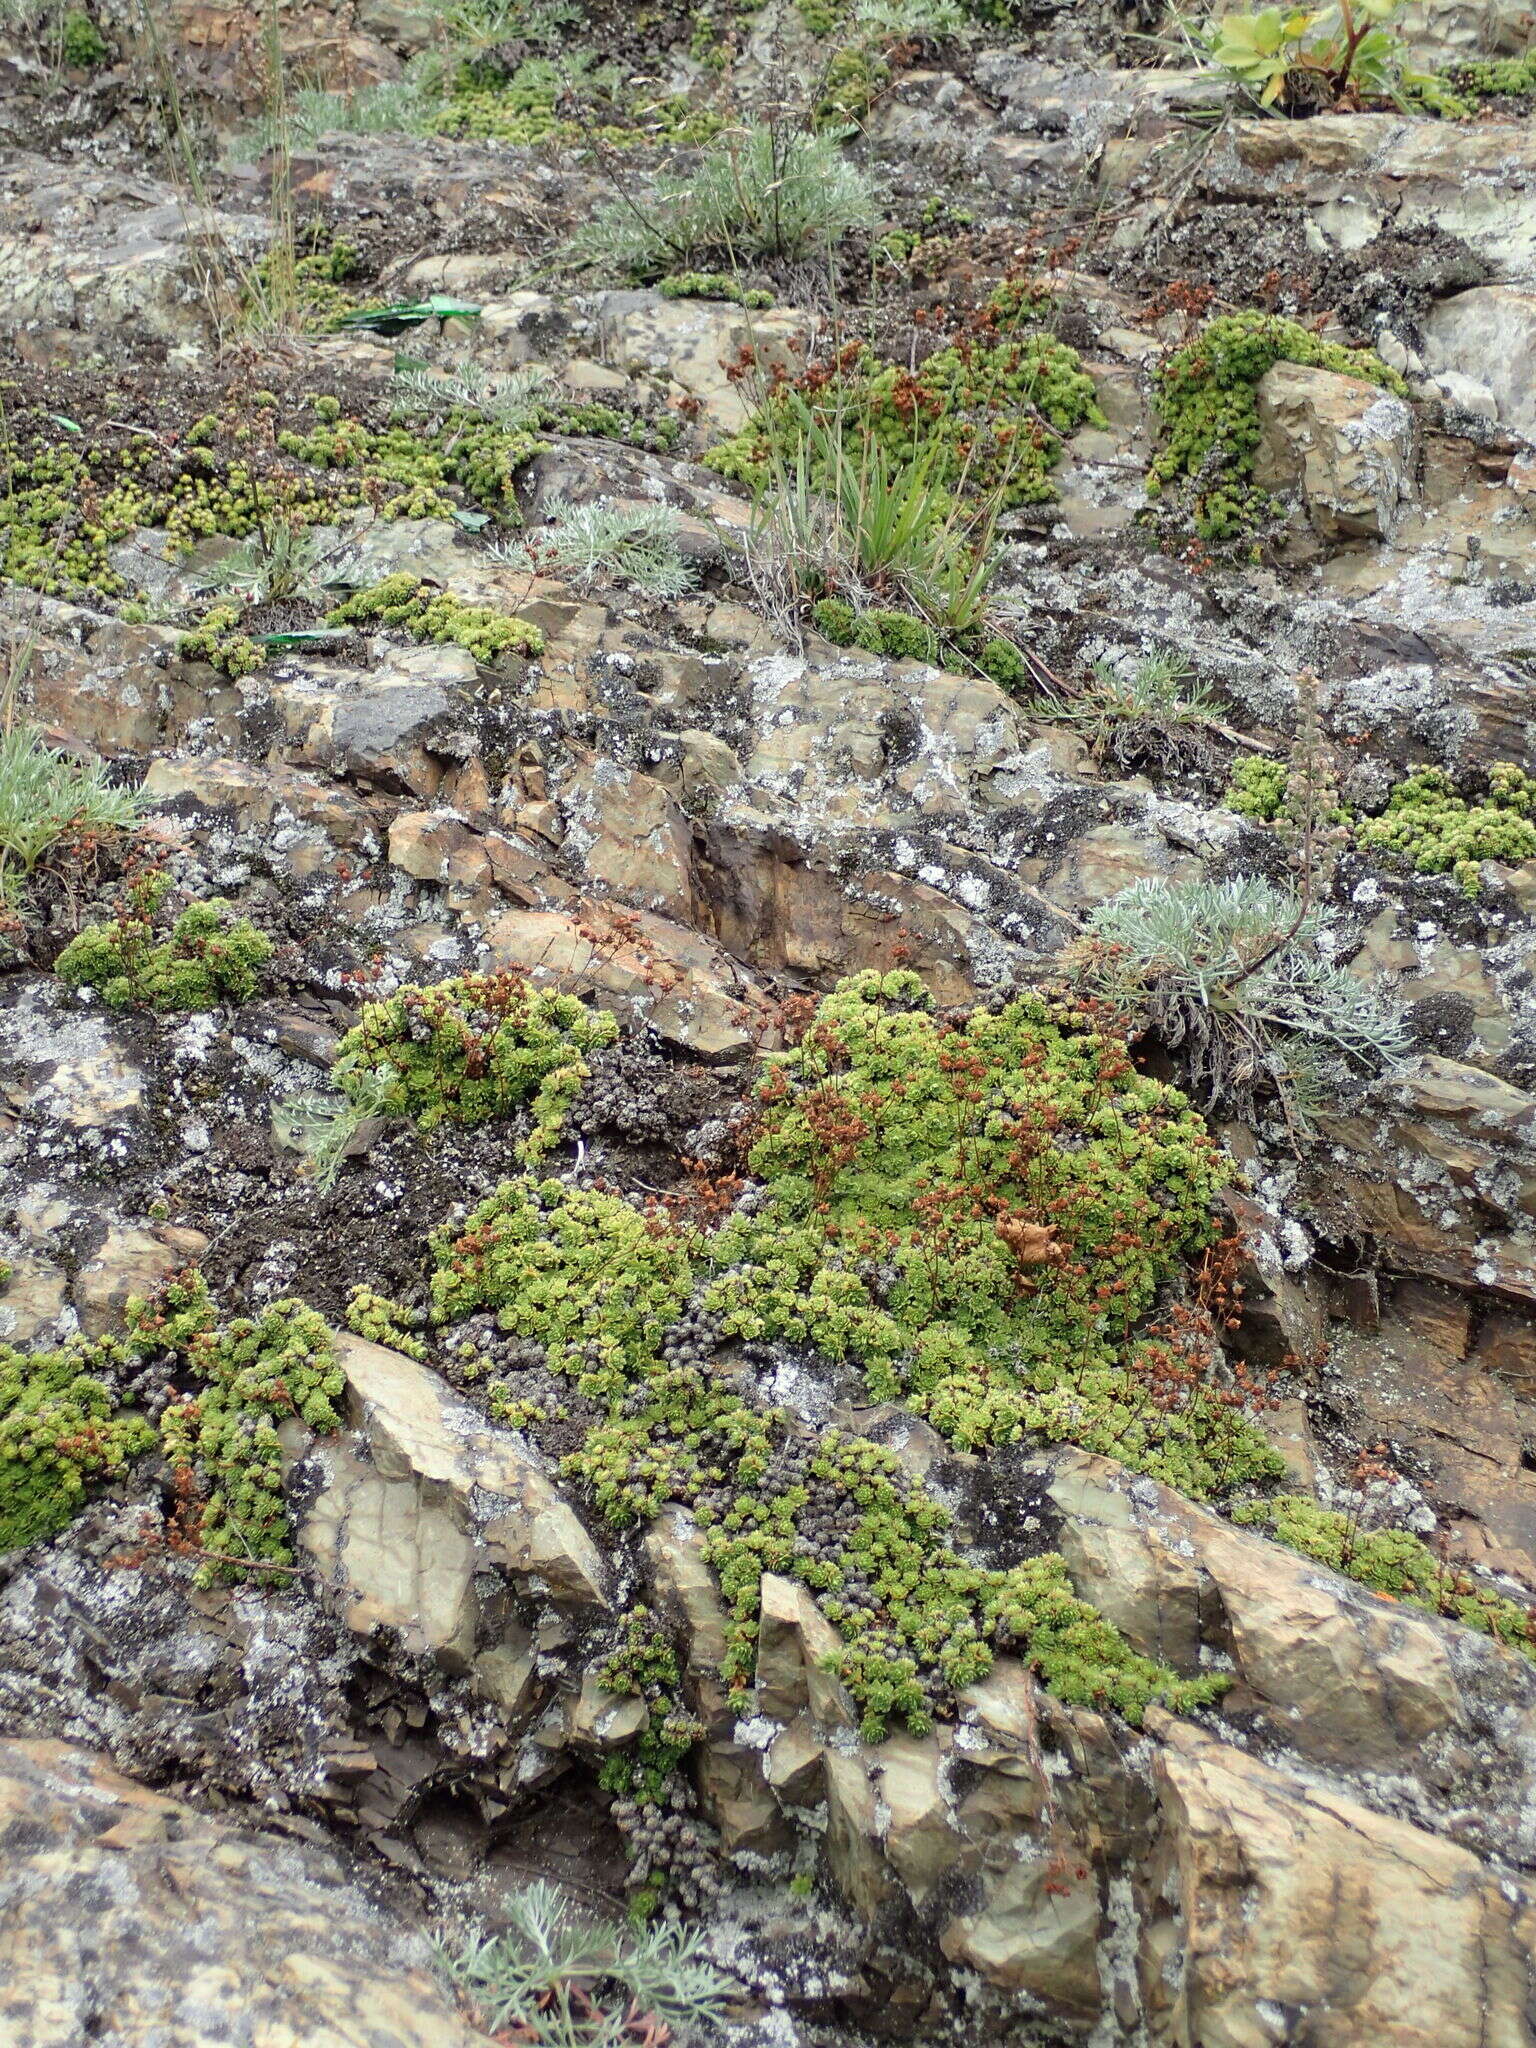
(977, 1212)
(1392, 1562)
(201, 958)
(989, 1216)
(1426, 823)
(78, 483)
(988, 413)
(209, 1395)
(1207, 399)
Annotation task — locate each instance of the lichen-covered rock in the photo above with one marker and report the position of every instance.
(129, 1918)
(125, 254)
(1346, 446)
(1488, 334)
(695, 342)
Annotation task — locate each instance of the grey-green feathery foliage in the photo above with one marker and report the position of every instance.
(1236, 974)
(575, 1982)
(507, 398)
(636, 543)
(280, 560)
(44, 794)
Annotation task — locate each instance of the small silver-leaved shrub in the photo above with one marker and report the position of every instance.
(1234, 976)
(510, 399)
(558, 1977)
(44, 794)
(635, 543)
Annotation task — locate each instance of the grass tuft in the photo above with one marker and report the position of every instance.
(766, 192)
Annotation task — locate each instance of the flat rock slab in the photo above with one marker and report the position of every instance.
(135, 1922)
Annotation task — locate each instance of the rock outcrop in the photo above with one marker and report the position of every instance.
(571, 589)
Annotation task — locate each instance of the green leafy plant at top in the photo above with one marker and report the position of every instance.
(1302, 59)
(427, 613)
(207, 957)
(771, 192)
(471, 1048)
(1207, 400)
(558, 1979)
(57, 34)
(81, 43)
(1232, 974)
(1393, 1562)
(1440, 833)
(46, 795)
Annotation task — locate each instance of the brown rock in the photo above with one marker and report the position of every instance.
(793, 1638)
(1339, 1674)
(408, 1516)
(630, 836)
(130, 1917)
(1344, 444)
(1038, 1930)
(1300, 1915)
(129, 1261)
(647, 968)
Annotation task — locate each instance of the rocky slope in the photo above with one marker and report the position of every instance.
(773, 1408)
